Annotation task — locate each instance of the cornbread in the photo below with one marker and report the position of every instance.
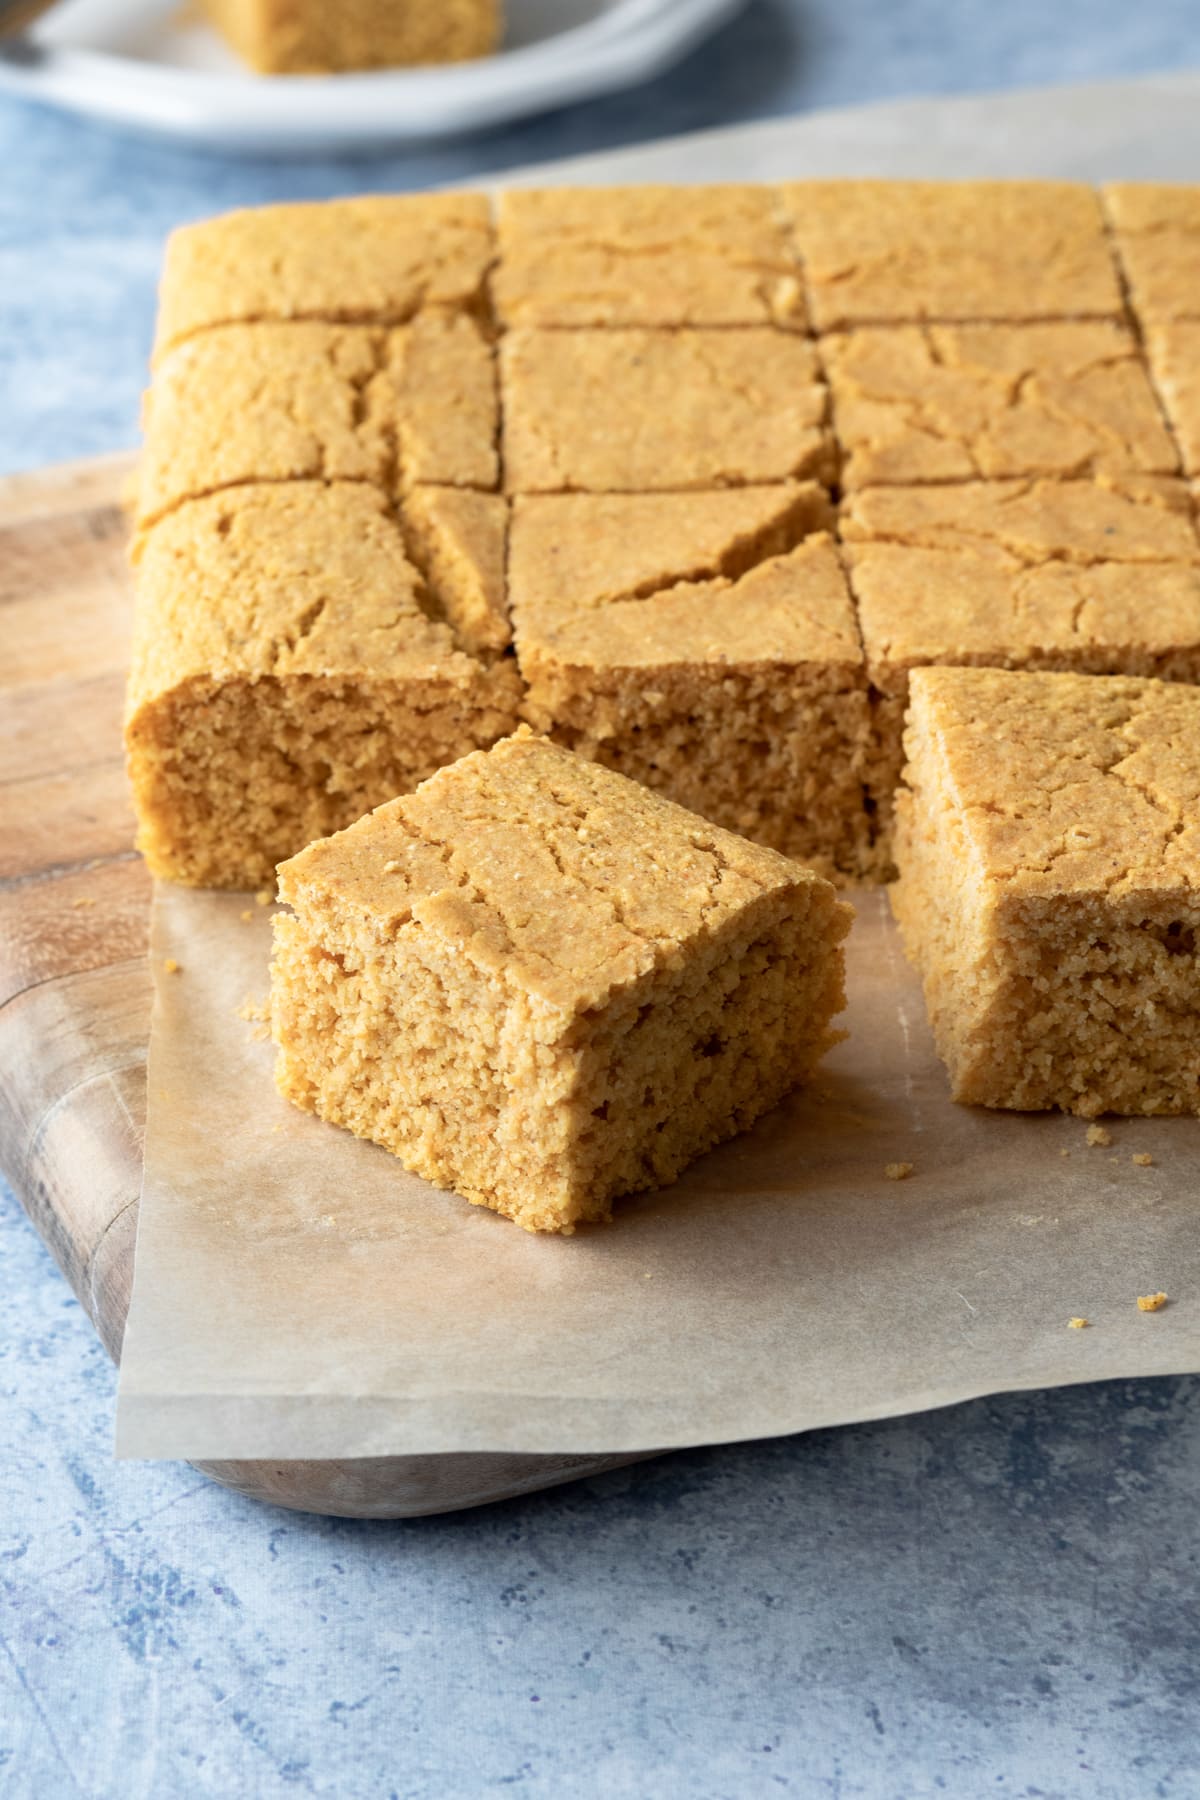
(704, 644)
(544, 987)
(291, 669)
(378, 260)
(883, 252)
(631, 411)
(663, 256)
(959, 402)
(1103, 579)
(1049, 851)
(1174, 354)
(294, 402)
(304, 37)
(1157, 232)
(457, 538)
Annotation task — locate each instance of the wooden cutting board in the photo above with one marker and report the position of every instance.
(74, 985)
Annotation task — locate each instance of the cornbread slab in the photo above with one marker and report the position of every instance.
(544, 987)
(375, 260)
(882, 252)
(956, 403)
(704, 644)
(292, 667)
(1048, 841)
(633, 411)
(301, 402)
(309, 38)
(662, 256)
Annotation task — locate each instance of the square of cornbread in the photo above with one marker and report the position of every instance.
(1157, 231)
(1174, 353)
(631, 410)
(1101, 578)
(293, 666)
(704, 644)
(646, 256)
(1049, 850)
(312, 37)
(375, 260)
(305, 401)
(923, 403)
(544, 987)
(882, 252)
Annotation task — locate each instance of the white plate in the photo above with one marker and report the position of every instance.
(153, 67)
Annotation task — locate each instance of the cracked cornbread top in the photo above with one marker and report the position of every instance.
(376, 260)
(1098, 786)
(561, 878)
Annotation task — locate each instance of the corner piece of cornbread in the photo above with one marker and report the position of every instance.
(1157, 231)
(295, 663)
(631, 410)
(648, 255)
(882, 252)
(304, 401)
(374, 260)
(705, 645)
(934, 403)
(1049, 852)
(541, 986)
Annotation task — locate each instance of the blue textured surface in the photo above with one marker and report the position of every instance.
(999, 1598)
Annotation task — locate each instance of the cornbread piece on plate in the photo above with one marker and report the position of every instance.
(646, 256)
(1174, 352)
(287, 402)
(882, 252)
(631, 411)
(705, 645)
(311, 37)
(1157, 230)
(1049, 892)
(1100, 578)
(955, 402)
(377, 260)
(542, 986)
(290, 670)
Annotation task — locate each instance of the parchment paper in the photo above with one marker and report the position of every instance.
(298, 1295)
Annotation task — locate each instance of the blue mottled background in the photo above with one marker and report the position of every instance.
(1000, 1598)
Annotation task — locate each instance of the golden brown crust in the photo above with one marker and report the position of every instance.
(1157, 232)
(881, 252)
(663, 256)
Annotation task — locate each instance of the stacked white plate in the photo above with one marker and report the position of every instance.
(152, 65)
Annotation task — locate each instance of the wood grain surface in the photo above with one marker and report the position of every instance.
(74, 986)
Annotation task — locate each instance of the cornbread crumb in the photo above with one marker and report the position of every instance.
(171, 966)
(1078, 1324)
(1099, 1135)
(898, 1171)
(1064, 1153)
(84, 900)
(246, 916)
(539, 1023)
(263, 897)
(1151, 1302)
(256, 1011)
(1143, 1159)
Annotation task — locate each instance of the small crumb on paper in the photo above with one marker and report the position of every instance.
(246, 916)
(1064, 1153)
(1099, 1134)
(898, 1171)
(171, 966)
(84, 900)
(257, 1012)
(1143, 1159)
(1078, 1324)
(1151, 1302)
(264, 897)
